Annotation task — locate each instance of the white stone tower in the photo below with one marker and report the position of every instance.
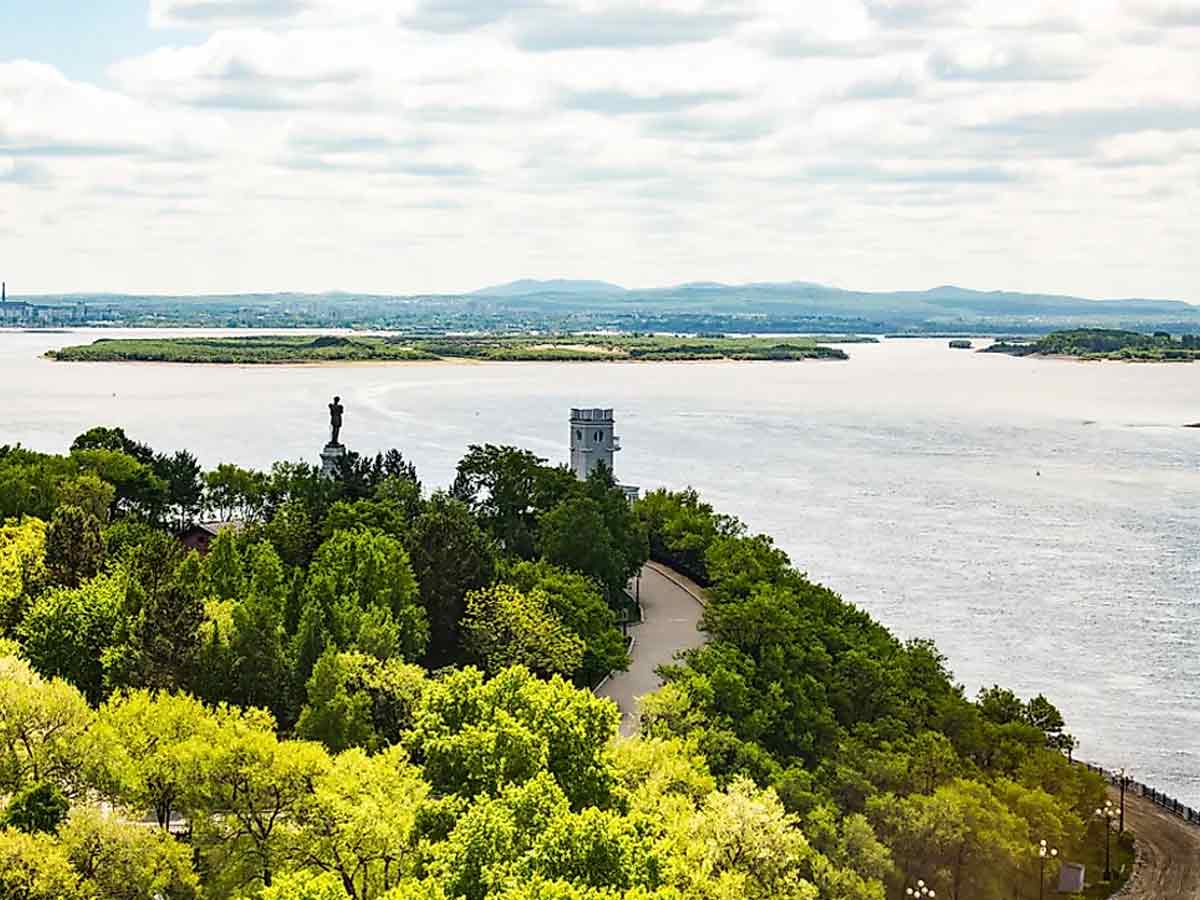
(592, 441)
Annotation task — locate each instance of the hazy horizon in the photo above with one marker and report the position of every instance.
(698, 283)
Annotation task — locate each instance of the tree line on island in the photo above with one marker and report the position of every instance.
(262, 349)
(1106, 343)
(367, 691)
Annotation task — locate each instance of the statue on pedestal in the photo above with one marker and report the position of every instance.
(334, 451)
(335, 421)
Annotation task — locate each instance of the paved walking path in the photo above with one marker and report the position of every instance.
(1169, 848)
(671, 608)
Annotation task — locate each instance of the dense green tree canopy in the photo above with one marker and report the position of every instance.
(361, 693)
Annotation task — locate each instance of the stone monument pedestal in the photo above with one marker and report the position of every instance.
(329, 458)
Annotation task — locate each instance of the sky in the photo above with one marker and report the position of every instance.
(420, 146)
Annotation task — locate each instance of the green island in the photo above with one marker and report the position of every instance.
(1106, 344)
(360, 689)
(291, 349)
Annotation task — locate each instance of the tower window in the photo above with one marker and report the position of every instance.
(598, 437)
(578, 435)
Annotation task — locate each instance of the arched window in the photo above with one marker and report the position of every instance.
(599, 436)
(578, 435)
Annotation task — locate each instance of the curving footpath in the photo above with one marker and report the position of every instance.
(1168, 865)
(671, 608)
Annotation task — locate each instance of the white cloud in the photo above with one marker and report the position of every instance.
(416, 145)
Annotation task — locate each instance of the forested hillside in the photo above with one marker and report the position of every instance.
(366, 690)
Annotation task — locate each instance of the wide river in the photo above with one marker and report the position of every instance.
(1039, 519)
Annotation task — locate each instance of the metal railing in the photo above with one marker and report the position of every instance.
(1163, 801)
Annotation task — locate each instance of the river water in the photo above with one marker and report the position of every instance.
(1039, 519)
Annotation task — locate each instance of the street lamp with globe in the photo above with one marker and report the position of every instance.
(1109, 813)
(1044, 852)
(921, 890)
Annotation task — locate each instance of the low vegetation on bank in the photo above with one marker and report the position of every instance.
(364, 691)
(261, 349)
(1101, 343)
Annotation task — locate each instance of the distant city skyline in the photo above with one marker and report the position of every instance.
(438, 146)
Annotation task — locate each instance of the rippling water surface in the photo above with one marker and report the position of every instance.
(1039, 519)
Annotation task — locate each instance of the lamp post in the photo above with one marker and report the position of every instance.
(1124, 782)
(1044, 853)
(921, 890)
(1107, 814)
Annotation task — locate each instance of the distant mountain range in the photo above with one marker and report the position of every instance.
(566, 304)
(527, 286)
(946, 296)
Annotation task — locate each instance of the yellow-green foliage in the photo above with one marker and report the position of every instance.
(22, 568)
(506, 627)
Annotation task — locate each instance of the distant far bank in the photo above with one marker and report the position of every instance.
(574, 306)
(310, 349)
(1106, 344)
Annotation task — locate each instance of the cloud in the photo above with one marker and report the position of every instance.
(804, 44)
(341, 140)
(44, 115)
(912, 13)
(623, 27)
(990, 63)
(690, 126)
(618, 102)
(251, 70)
(952, 175)
(22, 172)
(1088, 125)
(1169, 14)
(895, 88)
(450, 16)
(222, 13)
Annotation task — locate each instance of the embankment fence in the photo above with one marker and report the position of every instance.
(1163, 801)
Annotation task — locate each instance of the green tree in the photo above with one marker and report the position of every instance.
(543, 725)
(37, 807)
(23, 572)
(508, 489)
(66, 631)
(259, 660)
(681, 527)
(246, 786)
(234, 493)
(89, 493)
(293, 533)
(579, 604)
(354, 571)
(308, 643)
(126, 862)
(224, 575)
(503, 627)
(964, 840)
(74, 546)
(138, 490)
(42, 729)
(167, 630)
(146, 741)
(358, 822)
(114, 439)
(740, 843)
(451, 556)
(185, 486)
(335, 714)
(35, 867)
(576, 535)
(305, 886)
